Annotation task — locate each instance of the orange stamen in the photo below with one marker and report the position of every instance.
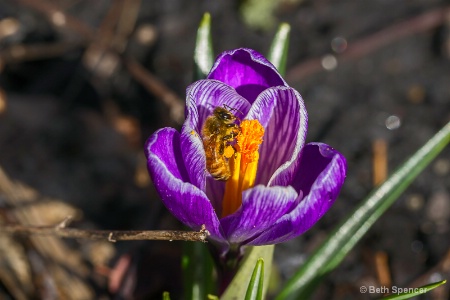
(243, 165)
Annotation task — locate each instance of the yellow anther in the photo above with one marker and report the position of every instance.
(243, 165)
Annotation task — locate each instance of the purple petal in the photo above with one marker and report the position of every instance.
(215, 189)
(193, 155)
(185, 201)
(261, 207)
(202, 97)
(164, 145)
(282, 112)
(320, 177)
(247, 71)
(205, 95)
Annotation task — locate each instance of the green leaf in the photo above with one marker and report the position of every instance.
(203, 53)
(255, 287)
(166, 296)
(341, 241)
(238, 286)
(416, 291)
(279, 48)
(197, 264)
(198, 271)
(259, 14)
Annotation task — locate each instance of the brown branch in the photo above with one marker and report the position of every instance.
(424, 22)
(51, 11)
(126, 23)
(108, 39)
(60, 230)
(442, 268)
(157, 88)
(19, 53)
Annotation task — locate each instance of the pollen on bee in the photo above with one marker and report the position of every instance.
(228, 152)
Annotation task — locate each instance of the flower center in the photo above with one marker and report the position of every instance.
(243, 165)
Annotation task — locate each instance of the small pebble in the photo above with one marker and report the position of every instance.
(393, 122)
(415, 202)
(339, 44)
(329, 62)
(438, 207)
(441, 167)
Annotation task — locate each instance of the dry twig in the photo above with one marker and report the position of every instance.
(155, 86)
(61, 19)
(62, 231)
(125, 20)
(20, 53)
(426, 21)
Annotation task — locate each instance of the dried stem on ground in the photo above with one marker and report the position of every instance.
(111, 37)
(364, 46)
(62, 231)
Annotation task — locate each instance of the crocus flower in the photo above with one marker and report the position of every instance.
(279, 186)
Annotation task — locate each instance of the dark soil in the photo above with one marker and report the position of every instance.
(76, 119)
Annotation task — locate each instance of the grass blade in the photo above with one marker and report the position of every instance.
(342, 240)
(197, 264)
(417, 291)
(203, 53)
(238, 286)
(166, 296)
(279, 48)
(198, 271)
(255, 287)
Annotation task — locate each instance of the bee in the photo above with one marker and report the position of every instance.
(218, 133)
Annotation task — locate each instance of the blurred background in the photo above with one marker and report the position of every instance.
(84, 83)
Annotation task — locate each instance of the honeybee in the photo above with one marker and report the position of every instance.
(219, 132)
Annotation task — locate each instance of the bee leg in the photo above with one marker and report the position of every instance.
(230, 136)
(234, 148)
(221, 148)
